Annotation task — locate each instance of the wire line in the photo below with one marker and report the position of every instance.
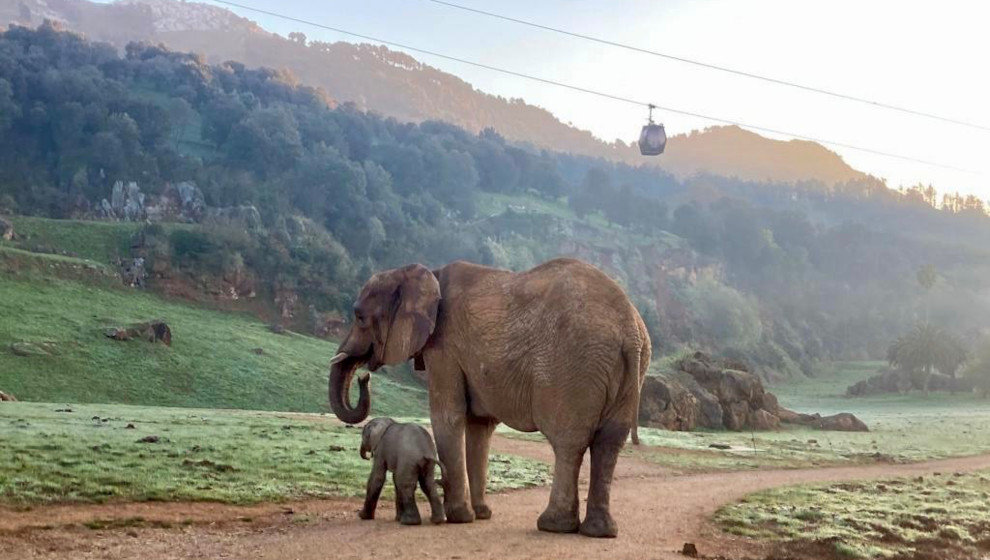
(594, 92)
(711, 66)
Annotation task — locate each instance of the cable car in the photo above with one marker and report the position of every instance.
(653, 138)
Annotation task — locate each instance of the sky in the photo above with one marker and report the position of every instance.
(928, 56)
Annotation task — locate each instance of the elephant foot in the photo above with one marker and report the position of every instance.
(599, 524)
(459, 514)
(437, 517)
(410, 518)
(365, 514)
(557, 522)
(482, 511)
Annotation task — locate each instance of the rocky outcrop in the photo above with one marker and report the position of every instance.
(890, 380)
(664, 403)
(151, 331)
(6, 229)
(241, 217)
(841, 422)
(739, 392)
(126, 203)
(133, 272)
(704, 392)
(180, 202)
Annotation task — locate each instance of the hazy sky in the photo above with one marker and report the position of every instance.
(930, 56)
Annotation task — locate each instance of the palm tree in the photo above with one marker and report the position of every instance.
(925, 349)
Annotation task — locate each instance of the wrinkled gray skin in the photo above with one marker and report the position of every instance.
(557, 349)
(407, 451)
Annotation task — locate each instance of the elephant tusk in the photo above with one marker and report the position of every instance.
(340, 357)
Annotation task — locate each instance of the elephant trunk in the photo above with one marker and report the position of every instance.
(340, 385)
(364, 451)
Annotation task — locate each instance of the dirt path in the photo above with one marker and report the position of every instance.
(657, 512)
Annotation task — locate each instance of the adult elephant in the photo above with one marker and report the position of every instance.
(557, 349)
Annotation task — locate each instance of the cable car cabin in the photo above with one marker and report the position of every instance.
(652, 140)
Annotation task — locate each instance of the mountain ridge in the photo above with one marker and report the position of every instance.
(395, 84)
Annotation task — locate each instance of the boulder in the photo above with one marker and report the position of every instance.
(764, 420)
(6, 229)
(27, 349)
(940, 382)
(665, 403)
(705, 392)
(7, 397)
(890, 380)
(739, 393)
(841, 422)
(709, 409)
(886, 381)
(151, 331)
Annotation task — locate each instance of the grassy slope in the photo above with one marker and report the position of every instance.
(103, 242)
(228, 456)
(212, 362)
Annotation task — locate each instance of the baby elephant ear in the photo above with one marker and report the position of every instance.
(414, 313)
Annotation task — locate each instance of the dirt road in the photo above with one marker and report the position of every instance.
(657, 512)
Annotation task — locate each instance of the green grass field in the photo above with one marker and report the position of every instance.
(90, 455)
(217, 359)
(944, 514)
(903, 428)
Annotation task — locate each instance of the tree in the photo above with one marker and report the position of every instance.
(925, 349)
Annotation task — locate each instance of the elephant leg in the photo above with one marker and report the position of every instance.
(562, 514)
(478, 438)
(448, 417)
(605, 447)
(429, 486)
(375, 482)
(398, 505)
(405, 489)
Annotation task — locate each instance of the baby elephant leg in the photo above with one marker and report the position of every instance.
(375, 482)
(429, 486)
(405, 490)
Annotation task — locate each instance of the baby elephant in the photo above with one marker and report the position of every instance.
(407, 451)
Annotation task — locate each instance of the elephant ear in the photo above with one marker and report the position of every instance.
(412, 314)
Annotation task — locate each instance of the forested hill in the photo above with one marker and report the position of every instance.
(394, 84)
(292, 201)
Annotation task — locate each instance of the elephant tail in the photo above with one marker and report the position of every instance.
(636, 359)
(443, 474)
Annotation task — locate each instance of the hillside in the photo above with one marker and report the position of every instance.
(244, 189)
(394, 84)
(53, 348)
